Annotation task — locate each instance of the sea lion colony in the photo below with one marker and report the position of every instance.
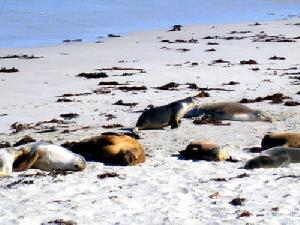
(123, 149)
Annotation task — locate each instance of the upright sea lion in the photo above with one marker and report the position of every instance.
(286, 139)
(228, 111)
(166, 115)
(112, 148)
(39, 155)
(204, 150)
(274, 157)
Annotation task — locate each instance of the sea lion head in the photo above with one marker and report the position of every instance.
(262, 116)
(222, 155)
(6, 162)
(79, 163)
(263, 161)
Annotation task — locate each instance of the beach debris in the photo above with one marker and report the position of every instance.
(214, 195)
(240, 32)
(60, 222)
(245, 213)
(212, 43)
(219, 61)
(172, 86)
(104, 83)
(92, 75)
(132, 88)
(120, 102)
(75, 94)
(26, 139)
(192, 40)
(176, 28)
(21, 181)
(18, 127)
(237, 201)
(248, 62)
(21, 57)
(69, 116)
(5, 144)
(276, 58)
(113, 35)
(210, 50)
(107, 175)
(116, 68)
(231, 83)
(183, 49)
(102, 91)
(291, 103)
(4, 114)
(64, 100)
(274, 98)
(263, 37)
(6, 70)
(72, 40)
(111, 126)
(255, 24)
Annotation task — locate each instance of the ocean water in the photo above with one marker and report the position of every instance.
(28, 23)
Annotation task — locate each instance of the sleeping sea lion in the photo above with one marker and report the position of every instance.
(274, 157)
(111, 148)
(286, 139)
(39, 155)
(228, 111)
(204, 150)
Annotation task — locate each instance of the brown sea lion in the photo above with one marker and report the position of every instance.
(39, 155)
(274, 157)
(228, 111)
(204, 150)
(111, 148)
(166, 115)
(285, 139)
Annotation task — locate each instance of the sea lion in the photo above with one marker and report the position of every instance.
(120, 149)
(274, 157)
(204, 150)
(166, 115)
(285, 139)
(228, 111)
(39, 155)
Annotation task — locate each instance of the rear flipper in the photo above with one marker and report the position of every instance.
(25, 160)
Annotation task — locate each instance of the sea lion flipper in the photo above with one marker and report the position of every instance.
(26, 160)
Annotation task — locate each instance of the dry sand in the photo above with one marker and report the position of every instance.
(164, 190)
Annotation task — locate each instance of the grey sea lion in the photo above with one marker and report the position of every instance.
(204, 150)
(274, 157)
(166, 115)
(286, 139)
(228, 111)
(39, 155)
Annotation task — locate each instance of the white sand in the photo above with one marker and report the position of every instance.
(164, 190)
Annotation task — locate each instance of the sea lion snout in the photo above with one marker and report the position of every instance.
(80, 163)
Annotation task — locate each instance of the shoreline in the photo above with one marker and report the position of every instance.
(163, 28)
(165, 189)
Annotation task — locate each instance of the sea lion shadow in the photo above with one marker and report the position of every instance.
(182, 157)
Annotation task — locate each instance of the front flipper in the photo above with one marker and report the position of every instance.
(25, 160)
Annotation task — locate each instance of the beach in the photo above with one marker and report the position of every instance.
(165, 189)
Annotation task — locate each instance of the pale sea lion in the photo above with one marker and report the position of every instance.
(204, 150)
(228, 111)
(275, 157)
(39, 155)
(166, 115)
(286, 139)
(111, 147)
